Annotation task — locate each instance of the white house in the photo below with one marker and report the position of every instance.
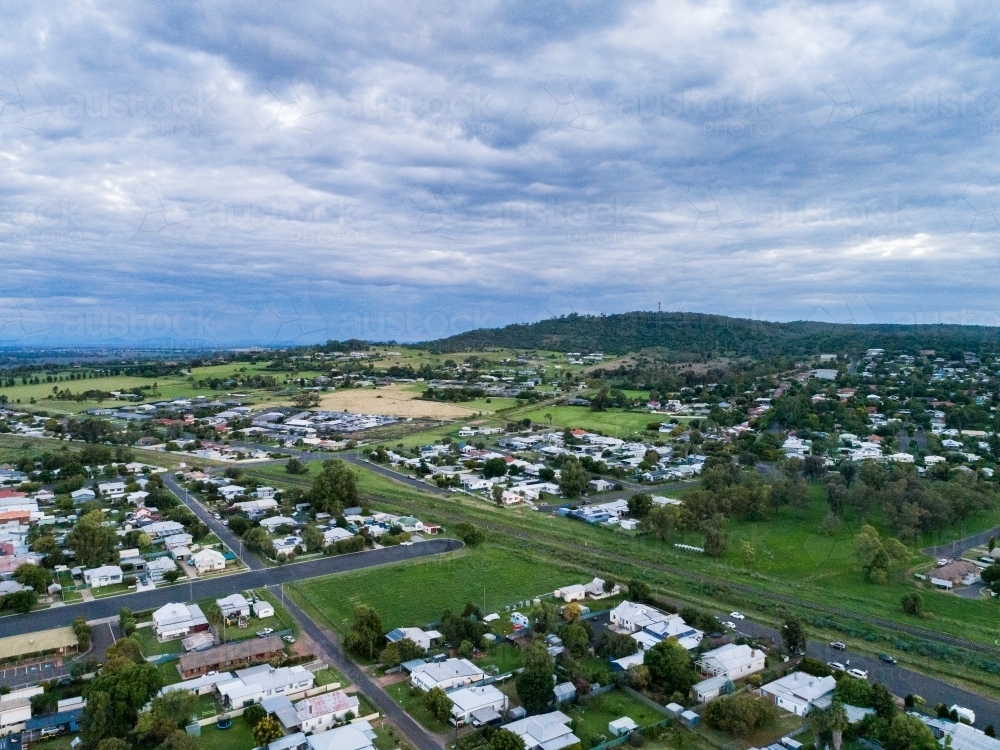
(159, 566)
(106, 575)
(272, 523)
(178, 540)
(477, 705)
(799, 692)
(231, 491)
(234, 606)
(572, 593)
(138, 497)
(263, 608)
(319, 712)
(257, 683)
(423, 638)
(14, 712)
(208, 561)
(336, 534)
(448, 674)
(358, 735)
(82, 495)
(735, 662)
(549, 731)
(162, 529)
(112, 489)
(178, 620)
(256, 508)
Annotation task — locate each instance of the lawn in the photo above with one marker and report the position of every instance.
(505, 657)
(329, 675)
(168, 671)
(414, 706)
(237, 737)
(592, 717)
(152, 647)
(612, 422)
(417, 593)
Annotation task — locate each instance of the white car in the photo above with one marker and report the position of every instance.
(218, 516)
(836, 666)
(730, 625)
(737, 616)
(861, 674)
(406, 544)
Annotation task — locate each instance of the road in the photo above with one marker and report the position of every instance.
(218, 528)
(900, 680)
(222, 585)
(421, 739)
(957, 547)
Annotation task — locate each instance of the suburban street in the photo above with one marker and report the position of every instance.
(222, 585)
(421, 739)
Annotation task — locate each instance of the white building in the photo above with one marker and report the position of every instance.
(446, 675)
(208, 561)
(423, 638)
(178, 620)
(732, 661)
(254, 684)
(357, 735)
(272, 523)
(158, 567)
(263, 608)
(477, 705)
(336, 534)
(178, 540)
(549, 731)
(106, 575)
(162, 529)
(799, 692)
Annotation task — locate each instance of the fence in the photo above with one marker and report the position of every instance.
(665, 722)
(646, 700)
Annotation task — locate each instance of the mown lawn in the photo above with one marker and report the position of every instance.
(414, 594)
(237, 737)
(592, 716)
(505, 657)
(612, 422)
(414, 706)
(152, 647)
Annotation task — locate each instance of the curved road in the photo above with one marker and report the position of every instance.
(221, 586)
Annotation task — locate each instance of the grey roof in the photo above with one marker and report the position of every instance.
(280, 706)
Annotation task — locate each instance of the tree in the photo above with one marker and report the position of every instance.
(113, 743)
(661, 521)
(670, 667)
(128, 649)
(82, 630)
(180, 740)
(638, 676)
(640, 504)
(909, 733)
(258, 540)
(166, 714)
(848, 471)
(126, 621)
(171, 576)
(793, 636)
(883, 702)
(294, 466)
(312, 538)
(366, 632)
(991, 576)
(534, 684)
(871, 553)
(913, 603)
(616, 645)
(253, 713)
(572, 477)
(576, 639)
(21, 601)
(334, 489)
(93, 543)
(213, 613)
(504, 739)
(115, 697)
(266, 731)
(494, 467)
(34, 576)
(740, 715)
(438, 703)
(639, 591)
(853, 691)
(715, 540)
(828, 725)
(496, 491)
(404, 650)
(471, 535)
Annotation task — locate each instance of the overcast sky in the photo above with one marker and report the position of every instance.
(208, 174)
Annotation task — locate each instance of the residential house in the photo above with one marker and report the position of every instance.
(477, 705)
(162, 529)
(286, 545)
(423, 638)
(446, 675)
(234, 606)
(178, 540)
(334, 535)
(263, 608)
(82, 495)
(208, 561)
(735, 662)
(321, 711)
(800, 692)
(254, 684)
(112, 489)
(961, 736)
(572, 593)
(204, 685)
(230, 492)
(106, 575)
(549, 731)
(178, 620)
(15, 708)
(158, 567)
(649, 626)
(256, 508)
(357, 735)
(272, 523)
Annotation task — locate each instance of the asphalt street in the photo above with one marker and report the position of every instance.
(420, 738)
(222, 585)
(900, 680)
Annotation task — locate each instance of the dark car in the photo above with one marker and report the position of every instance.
(887, 659)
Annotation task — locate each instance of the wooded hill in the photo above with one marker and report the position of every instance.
(708, 336)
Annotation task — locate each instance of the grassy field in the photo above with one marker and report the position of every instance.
(612, 422)
(152, 647)
(505, 657)
(417, 593)
(592, 716)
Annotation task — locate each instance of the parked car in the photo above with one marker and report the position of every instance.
(406, 544)
(730, 625)
(942, 562)
(288, 638)
(836, 666)
(887, 659)
(218, 516)
(264, 632)
(737, 616)
(861, 674)
(839, 646)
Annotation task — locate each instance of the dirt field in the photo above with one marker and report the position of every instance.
(393, 400)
